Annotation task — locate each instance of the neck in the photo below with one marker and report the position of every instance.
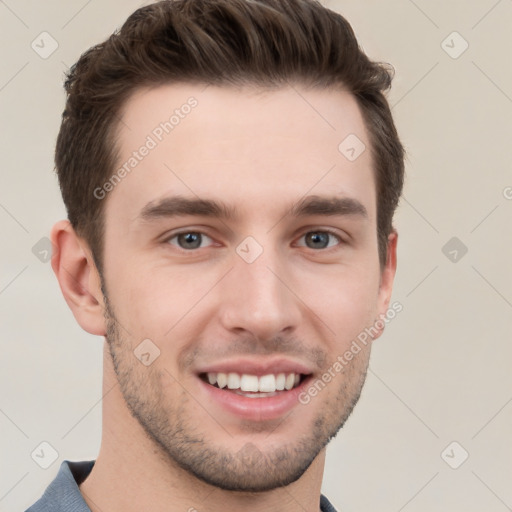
(133, 473)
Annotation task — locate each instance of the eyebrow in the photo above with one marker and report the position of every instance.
(176, 206)
(317, 205)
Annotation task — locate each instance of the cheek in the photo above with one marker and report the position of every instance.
(153, 302)
(346, 302)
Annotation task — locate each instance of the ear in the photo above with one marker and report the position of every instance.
(387, 279)
(78, 278)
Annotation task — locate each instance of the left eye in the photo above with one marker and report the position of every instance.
(320, 240)
(189, 240)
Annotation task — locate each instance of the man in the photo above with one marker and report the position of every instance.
(230, 170)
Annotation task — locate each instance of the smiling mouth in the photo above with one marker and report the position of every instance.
(254, 386)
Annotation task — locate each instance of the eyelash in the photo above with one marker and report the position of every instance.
(330, 232)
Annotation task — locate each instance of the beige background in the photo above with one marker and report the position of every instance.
(441, 373)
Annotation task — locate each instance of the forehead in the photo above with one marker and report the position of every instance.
(246, 146)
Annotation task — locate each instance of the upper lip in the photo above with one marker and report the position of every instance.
(255, 366)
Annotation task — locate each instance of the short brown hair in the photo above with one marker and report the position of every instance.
(266, 43)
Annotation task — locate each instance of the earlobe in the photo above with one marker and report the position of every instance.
(78, 278)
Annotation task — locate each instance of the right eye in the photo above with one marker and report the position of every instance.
(189, 240)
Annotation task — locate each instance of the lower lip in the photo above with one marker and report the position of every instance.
(255, 409)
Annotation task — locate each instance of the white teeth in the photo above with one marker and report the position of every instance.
(267, 383)
(233, 381)
(249, 383)
(252, 383)
(280, 381)
(222, 380)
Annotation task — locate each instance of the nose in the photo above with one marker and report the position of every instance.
(257, 298)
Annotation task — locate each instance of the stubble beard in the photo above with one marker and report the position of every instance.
(181, 443)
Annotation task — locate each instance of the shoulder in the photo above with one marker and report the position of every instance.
(63, 493)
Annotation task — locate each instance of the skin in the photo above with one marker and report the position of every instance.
(204, 305)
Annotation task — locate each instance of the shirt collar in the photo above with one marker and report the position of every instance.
(63, 494)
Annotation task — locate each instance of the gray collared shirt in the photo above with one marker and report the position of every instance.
(63, 494)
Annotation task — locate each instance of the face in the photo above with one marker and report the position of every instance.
(241, 245)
